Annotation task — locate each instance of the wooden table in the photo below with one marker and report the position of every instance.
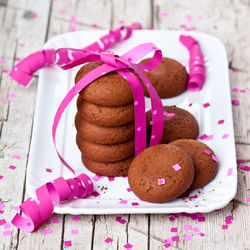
(22, 32)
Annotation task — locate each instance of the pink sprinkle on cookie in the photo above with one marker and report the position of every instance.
(108, 240)
(166, 114)
(161, 181)
(206, 151)
(214, 158)
(176, 167)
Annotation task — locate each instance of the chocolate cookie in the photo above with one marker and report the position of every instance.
(108, 90)
(161, 173)
(178, 124)
(117, 168)
(205, 167)
(105, 153)
(104, 135)
(105, 116)
(169, 78)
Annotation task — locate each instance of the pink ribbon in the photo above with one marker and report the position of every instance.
(196, 63)
(52, 192)
(24, 70)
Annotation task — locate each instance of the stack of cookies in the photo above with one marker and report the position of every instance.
(105, 123)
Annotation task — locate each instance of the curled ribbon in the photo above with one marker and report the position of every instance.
(52, 192)
(24, 70)
(196, 63)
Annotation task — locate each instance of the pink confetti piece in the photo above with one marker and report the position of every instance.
(94, 26)
(129, 189)
(123, 202)
(201, 234)
(163, 14)
(17, 59)
(168, 240)
(224, 227)
(166, 245)
(207, 137)
(96, 177)
(121, 21)
(235, 89)
(203, 137)
(161, 181)
(21, 44)
(207, 104)
(235, 102)
(48, 170)
(183, 26)
(48, 222)
(95, 194)
(5, 100)
(16, 156)
(12, 167)
(196, 229)
(73, 19)
(190, 104)
(215, 27)
(229, 172)
(1, 211)
(5, 71)
(6, 225)
(62, 10)
(175, 238)
(225, 136)
(228, 221)
(174, 229)
(2, 206)
(221, 121)
(72, 27)
(17, 208)
(248, 198)
(242, 91)
(240, 161)
(171, 218)
(1, 60)
(55, 221)
(108, 240)
(176, 167)
(200, 17)
(187, 227)
(206, 151)
(135, 204)
(111, 178)
(188, 236)
(2, 222)
(1, 177)
(169, 115)
(67, 243)
(74, 231)
(214, 158)
(230, 217)
(47, 231)
(245, 167)
(128, 246)
(189, 17)
(76, 218)
(6, 232)
(33, 15)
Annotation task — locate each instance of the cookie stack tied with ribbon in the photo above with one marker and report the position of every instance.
(105, 123)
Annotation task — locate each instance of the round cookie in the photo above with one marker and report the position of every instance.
(104, 135)
(108, 90)
(169, 78)
(182, 125)
(105, 116)
(117, 168)
(105, 153)
(205, 167)
(157, 163)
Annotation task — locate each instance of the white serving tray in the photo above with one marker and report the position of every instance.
(53, 85)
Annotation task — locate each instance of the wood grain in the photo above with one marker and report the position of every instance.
(20, 35)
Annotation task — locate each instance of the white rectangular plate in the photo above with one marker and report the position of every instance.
(53, 85)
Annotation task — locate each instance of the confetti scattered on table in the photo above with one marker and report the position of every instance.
(235, 102)
(225, 136)
(221, 121)
(96, 177)
(47, 231)
(1, 60)
(128, 246)
(108, 240)
(163, 14)
(5, 100)
(245, 167)
(67, 243)
(74, 231)
(76, 218)
(12, 167)
(229, 171)
(48, 170)
(207, 104)
(174, 229)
